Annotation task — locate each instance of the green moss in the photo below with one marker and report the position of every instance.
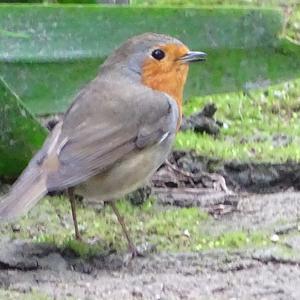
(84, 249)
(239, 239)
(13, 295)
(261, 126)
(205, 2)
(174, 230)
(285, 252)
(232, 240)
(293, 25)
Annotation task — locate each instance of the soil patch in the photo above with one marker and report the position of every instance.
(239, 176)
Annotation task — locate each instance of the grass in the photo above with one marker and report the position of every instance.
(14, 295)
(258, 126)
(174, 230)
(293, 26)
(213, 2)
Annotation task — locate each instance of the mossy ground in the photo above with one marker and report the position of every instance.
(259, 125)
(293, 26)
(173, 230)
(14, 295)
(211, 2)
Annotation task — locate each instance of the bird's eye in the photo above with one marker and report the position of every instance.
(158, 54)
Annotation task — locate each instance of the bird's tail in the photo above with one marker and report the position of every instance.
(24, 194)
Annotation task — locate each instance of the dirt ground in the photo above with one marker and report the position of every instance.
(270, 272)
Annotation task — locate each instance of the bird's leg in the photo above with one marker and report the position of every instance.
(131, 245)
(74, 215)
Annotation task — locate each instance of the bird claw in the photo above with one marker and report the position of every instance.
(131, 255)
(142, 250)
(78, 237)
(135, 252)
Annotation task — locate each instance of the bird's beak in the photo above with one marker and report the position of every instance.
(193, 56)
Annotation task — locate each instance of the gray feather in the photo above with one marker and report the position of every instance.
(106, 123)
(24, 194)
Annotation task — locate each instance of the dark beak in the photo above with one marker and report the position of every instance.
(193, 56)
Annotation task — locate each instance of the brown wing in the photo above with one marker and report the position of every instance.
(104, 125)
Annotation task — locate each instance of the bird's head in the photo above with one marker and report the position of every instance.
(158, 61)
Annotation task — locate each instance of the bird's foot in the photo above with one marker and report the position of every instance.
(78, 237)
(132, 253)
(141, 250)
(135, 252)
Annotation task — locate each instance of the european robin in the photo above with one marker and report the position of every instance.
(116, 133)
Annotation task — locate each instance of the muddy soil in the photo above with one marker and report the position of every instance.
(270, 272)
(240, 176)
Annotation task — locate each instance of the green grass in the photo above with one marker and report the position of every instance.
(293, 26)
(14, 295)
(174, 230)
(212, 2)
(258, 126)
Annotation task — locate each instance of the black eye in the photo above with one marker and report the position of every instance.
(158, 54)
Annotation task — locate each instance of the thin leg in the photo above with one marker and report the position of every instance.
(131, 245)
(74, 215)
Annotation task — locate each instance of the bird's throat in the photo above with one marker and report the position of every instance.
(170, 82)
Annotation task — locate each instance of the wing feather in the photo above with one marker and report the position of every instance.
(95, 137)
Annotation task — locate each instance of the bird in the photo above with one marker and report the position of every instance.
(116, 133)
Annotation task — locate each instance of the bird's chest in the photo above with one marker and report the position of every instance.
(126, 175)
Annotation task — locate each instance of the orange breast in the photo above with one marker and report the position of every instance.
(167, 75)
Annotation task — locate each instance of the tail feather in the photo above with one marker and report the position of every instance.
(24, 194)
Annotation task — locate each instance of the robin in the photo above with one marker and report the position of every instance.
(116, 133)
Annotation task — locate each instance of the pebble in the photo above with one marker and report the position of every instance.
(274, 238)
